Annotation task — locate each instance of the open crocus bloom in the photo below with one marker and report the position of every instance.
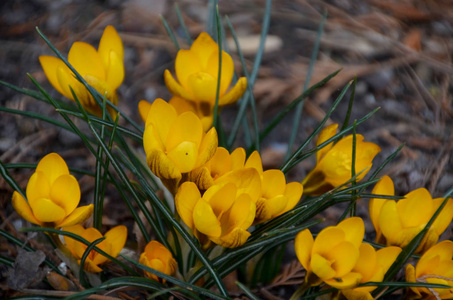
(221, 163)
(435, 266)
(398, 222)
(197, 75)
(53, 196)
(372, 265)
(334, 161)
(103, 69)
(277, 196)
(114, 241)
(175, 145)
(222, 215)
(159, 258)
(332, 256)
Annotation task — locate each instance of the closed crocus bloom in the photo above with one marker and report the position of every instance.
(333, 167)
(53, 196)
(103, 69)
(436, 267)
(372, 265)
(398, 222)
(113, 243)
(159, 258)
(197, 76)
(222, 215)
(175, 144)
(332, 256)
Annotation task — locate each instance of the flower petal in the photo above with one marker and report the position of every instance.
(254, 161)
(86, 60)
(303, 245)
(274, 183)
(185, 200)
(227, 68)
(246, 180)
(65, 192)
(162, 115)
(416, 208)
(324, 135)
(111, 52)
(321, 267)
(175, 88)
(242, 213)
(161, 165)
(46, 211)
(344, 257)
(237, 158)
(367, 262)
(203, 87)
(327, 239)
(117, 238)
(390, 223)
(443, 220)
(38, 187)
(79, 215)
(348, 281)
(23, 209)
(184, 156)
(143, 109)
(186, 128)
(115, 72)
(221, 198)
(383, 187)
(385, 258)
(205, 220)
(204, 46)
(207, 147)
(220, 162)
(53, 166)
(187, 63)
(234, 239)
(293, 192)
(234, 93)
(50, 65)
(354, 230)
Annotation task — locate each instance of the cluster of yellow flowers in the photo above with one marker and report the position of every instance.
(219, 195)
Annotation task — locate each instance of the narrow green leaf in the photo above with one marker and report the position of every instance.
(286, 166)
(83, 259)
(247, 291)
(219, 72)
(170, 32)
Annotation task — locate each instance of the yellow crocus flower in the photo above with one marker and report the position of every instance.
(197, 75)
(332, 256)
(222, 215)
(159, 258)
(114, 241)
(175, 144)
(372, 265)
(333, 167)
(103, 69)
(398, 222)
(435, 266)
(53, 196)
(277, 196)
(221, 163)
